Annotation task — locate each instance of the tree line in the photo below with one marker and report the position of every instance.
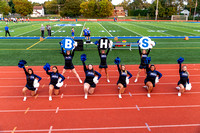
(69, 8)
(100, 8)
(166, 8)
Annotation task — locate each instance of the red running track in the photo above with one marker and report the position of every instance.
(102, 112)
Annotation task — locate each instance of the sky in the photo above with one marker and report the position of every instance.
(115, 2)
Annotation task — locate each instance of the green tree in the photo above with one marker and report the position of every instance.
(125, 4)
(12, 6)
(71, 8)
(89, 8)
(84, 10)
(51, 7)
(105, 8)
(23, 7)
(4, 7)
(152, 9)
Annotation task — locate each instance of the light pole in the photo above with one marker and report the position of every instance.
(195, 10)
(156, 11)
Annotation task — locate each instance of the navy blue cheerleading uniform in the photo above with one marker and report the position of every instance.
(184, 77)
(103, 57)
(122, 76)
(68, 60)
(151, 75)
(90, 74)
(30, 79)
(54, 78)
(143, 58)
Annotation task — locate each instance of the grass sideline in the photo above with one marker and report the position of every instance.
(167, 51)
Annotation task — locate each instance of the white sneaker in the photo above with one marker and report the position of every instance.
(108, 81)
(148, 95)
(135, 80)
(24, 98)
(120, 96)
(146, 87)
(85, 96)
(80, 81)
(36, 90)
(50, 98)
(179, 94)
(178, 88)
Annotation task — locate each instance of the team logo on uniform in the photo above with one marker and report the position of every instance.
(146, 43)
(67, 44)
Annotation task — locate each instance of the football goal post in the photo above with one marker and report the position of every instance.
(179, 17)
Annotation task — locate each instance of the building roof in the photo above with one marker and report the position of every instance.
(38, 7)
(119, 8)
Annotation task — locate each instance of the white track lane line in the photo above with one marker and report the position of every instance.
(100, 109)
(104, 128)
(80, 85)
(104, 95)
(148, 127)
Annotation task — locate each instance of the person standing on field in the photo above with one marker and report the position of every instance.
(7, 31)
(42, 30)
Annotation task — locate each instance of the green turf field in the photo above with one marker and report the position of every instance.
(106, 29)
(167, 51)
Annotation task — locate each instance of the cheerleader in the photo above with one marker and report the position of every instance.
(184, 79)
(103, 63)
(150, 80)
(123, 79)
(55, 78)
(143, 55)
(30, 78)
(90, 79)
(68, 63)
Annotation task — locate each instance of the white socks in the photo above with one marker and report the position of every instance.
(85, 96)
(80, 81)
(120, 96)
(24, 98)
(36, 90)
(135, 80)
(148, 95)
(108, 81)
(50, 98)
(179, 94)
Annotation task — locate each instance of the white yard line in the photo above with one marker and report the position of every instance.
(146, 28)
(176, 30)
(82, 30)
(27, 32)
(128, 29)
(58, 30)
(105, 29)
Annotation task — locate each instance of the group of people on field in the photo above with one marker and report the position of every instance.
(92, 76)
